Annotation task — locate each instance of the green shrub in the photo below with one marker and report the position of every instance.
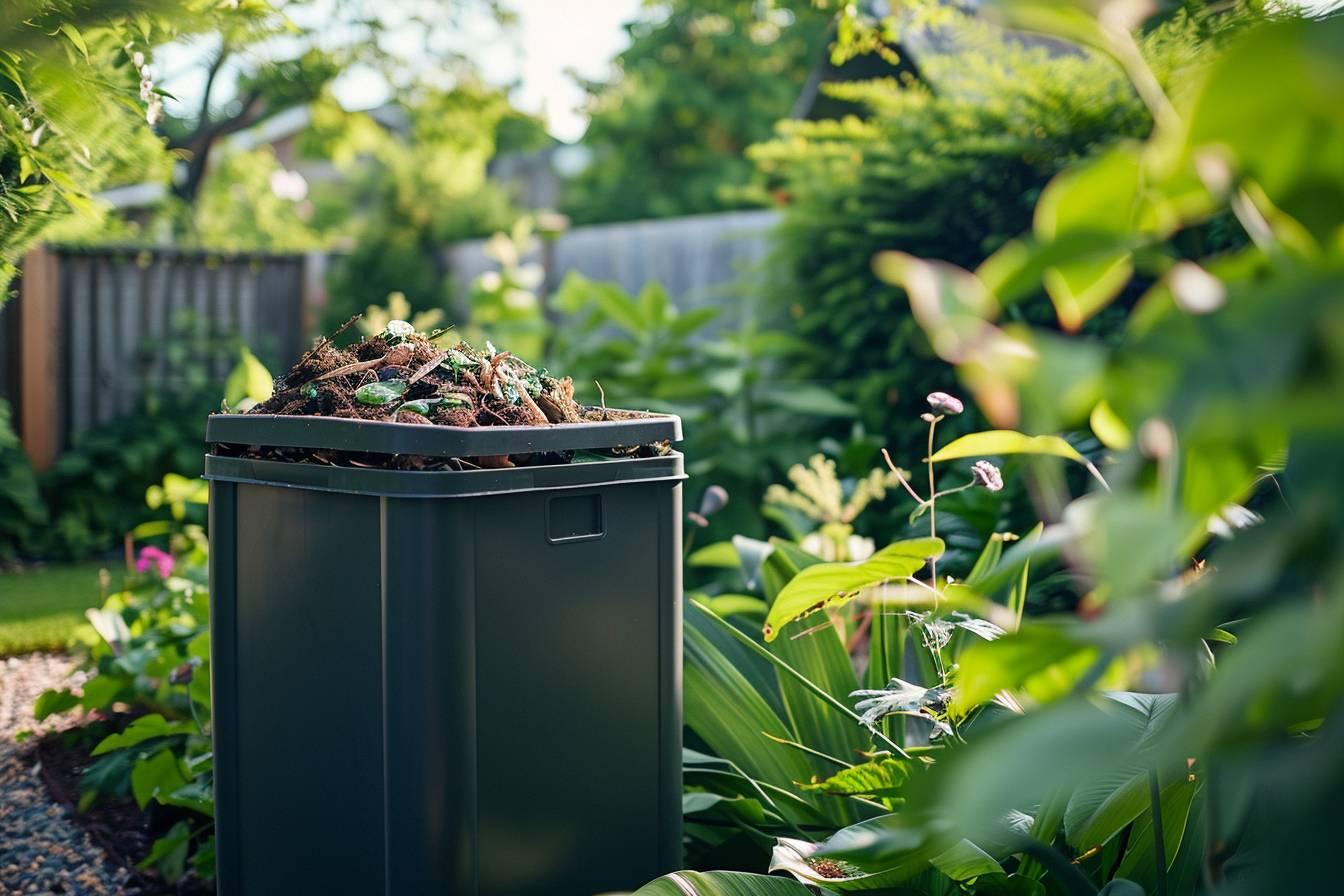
(22, 511)
(947, 168)
(149, 650)
(744, 413)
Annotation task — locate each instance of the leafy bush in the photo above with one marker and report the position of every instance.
(21, 509)
(741, 409)
(149, 651)
(73, 106)
(947, 167)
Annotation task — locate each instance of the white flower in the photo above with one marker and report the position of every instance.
(138, 59)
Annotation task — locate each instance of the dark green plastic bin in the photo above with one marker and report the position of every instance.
(457, 683)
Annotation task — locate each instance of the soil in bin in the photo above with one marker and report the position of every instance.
(403, 376)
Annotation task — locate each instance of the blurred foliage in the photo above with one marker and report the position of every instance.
(700, 81)
(422, 191)
(504, 303)
(76, 104)
(22, 512)
(948, 167)
(250, 201)
(376, 319)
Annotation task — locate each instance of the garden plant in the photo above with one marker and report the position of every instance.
(1177, 732)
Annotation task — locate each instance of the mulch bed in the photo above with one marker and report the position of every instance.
(123, 830)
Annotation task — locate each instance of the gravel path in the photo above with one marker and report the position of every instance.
(41, 850)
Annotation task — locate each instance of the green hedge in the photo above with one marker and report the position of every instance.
(947, 168)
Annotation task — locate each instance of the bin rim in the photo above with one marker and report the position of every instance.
(380, 437)
(443, 483)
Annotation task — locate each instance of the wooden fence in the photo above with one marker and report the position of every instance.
(90, 329)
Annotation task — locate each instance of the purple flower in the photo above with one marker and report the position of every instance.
(985, 474)
(945, 404)
(153, 558)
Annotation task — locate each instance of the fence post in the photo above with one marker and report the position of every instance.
(313, 301)
(39, 342)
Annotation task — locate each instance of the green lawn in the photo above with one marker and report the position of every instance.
(39, 608)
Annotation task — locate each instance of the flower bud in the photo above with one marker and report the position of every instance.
(713, 500)
(943, 403)
(986, 475)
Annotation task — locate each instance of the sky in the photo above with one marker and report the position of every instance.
(554, 36)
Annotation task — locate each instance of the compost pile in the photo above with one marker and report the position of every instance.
(403, 376)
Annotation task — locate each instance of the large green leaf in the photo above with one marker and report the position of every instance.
(879, 779)
(1286, 131)
(1005, 441)
(1045, 658)
(821, 658)
(1140, 861)
(722, 883)
(732, 717)
(142, 729)
(826, 583)
(1112, 798)
(159, 774)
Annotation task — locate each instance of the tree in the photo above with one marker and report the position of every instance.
(697, 85)
(259, 67)
(76, 101)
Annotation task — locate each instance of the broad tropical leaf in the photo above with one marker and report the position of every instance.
(722, 883)
(827, 583)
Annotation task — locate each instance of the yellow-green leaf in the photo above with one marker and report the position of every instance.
(827, 583)
(76, 38)
(1109, 429)
(250, 379)
(1005, 441)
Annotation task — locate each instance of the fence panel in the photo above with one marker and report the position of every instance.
(117, 311)
(699, 259)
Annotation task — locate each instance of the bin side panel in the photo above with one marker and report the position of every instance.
(570, 677)
(224, 681)
(671, 719)
(429, 608)
(309, 681)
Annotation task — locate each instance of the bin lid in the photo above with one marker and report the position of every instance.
(378, 437)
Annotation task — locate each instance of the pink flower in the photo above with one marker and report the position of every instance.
(152, 557)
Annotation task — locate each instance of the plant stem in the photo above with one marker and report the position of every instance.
(900, 477)
(1055, 863)
(933, 503)
(1159, 842)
